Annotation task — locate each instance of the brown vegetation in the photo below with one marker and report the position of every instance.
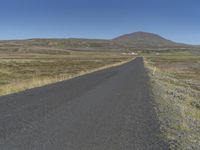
(176, 87)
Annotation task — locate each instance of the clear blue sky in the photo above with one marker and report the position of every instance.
(178, 20)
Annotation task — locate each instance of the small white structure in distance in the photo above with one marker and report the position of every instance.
(132, 53)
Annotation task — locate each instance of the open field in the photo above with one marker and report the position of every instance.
(23, 69)
(174, 74)
(175, 83)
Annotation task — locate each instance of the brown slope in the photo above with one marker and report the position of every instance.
(146, 40)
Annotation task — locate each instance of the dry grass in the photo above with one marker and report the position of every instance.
(176, 86)
(22, 71)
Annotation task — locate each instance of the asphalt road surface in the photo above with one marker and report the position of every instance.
(110, 109)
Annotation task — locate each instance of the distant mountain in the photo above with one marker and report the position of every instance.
(128, 42)
(146, 40)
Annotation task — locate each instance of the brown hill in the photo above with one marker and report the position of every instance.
(146, 40)
(133, 41)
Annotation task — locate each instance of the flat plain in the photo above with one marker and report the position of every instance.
(21, 70)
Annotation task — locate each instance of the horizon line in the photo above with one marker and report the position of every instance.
(90, 38)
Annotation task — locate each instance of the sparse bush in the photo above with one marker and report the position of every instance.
(196, 104)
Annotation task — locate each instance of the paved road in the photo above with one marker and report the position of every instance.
(106, 110)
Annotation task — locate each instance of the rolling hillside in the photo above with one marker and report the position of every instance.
(128, 42)
(146, 40)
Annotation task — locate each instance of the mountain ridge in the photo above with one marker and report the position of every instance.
(133, 41)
